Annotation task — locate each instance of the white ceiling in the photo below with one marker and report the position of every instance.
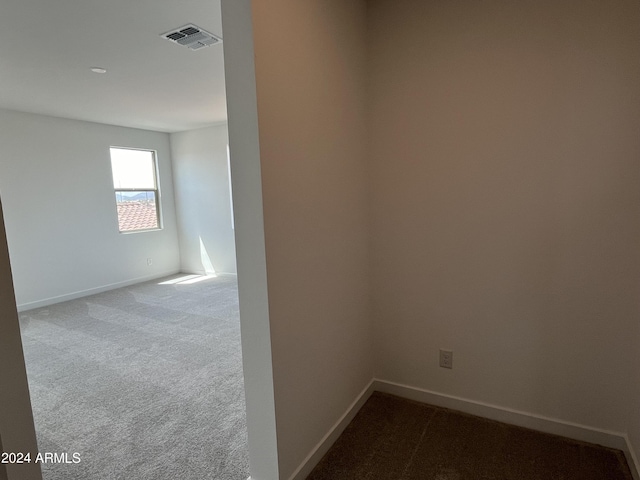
(47, 48)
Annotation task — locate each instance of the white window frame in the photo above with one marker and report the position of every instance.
(156, 190)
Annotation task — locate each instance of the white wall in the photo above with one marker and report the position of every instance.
(310, 76)
(503, 195)
(60, 214)
(505, 200)
(16, 420)
(250, 242)
(203, 200)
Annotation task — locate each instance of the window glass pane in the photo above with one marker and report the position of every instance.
(133, 168)
(136, 211)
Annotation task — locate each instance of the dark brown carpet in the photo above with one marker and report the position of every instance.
(394, 438)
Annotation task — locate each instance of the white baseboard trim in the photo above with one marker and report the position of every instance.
(632, 459)
(92, 291)
(514, 417)
(533, 421)
(201, 271)
(329, 439)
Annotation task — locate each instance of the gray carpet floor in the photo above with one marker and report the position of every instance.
(396, 439)
(144, 382)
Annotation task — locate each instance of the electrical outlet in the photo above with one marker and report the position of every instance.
(446, 358)
(149, 261)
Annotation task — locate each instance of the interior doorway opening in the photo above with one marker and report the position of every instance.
(60, 266)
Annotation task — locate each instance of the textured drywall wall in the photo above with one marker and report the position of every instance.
(60, 213)
(310, 77)
(505, 200)
(203, 200)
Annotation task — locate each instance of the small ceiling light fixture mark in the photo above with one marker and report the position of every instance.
(98, 70)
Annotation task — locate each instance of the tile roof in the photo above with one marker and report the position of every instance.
(137, 215)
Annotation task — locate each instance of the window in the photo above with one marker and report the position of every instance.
(136, 188)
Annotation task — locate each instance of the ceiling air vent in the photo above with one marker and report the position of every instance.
(192, 37)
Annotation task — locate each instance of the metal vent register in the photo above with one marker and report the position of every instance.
(192, 37)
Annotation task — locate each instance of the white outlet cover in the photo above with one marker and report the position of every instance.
(446, 358)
